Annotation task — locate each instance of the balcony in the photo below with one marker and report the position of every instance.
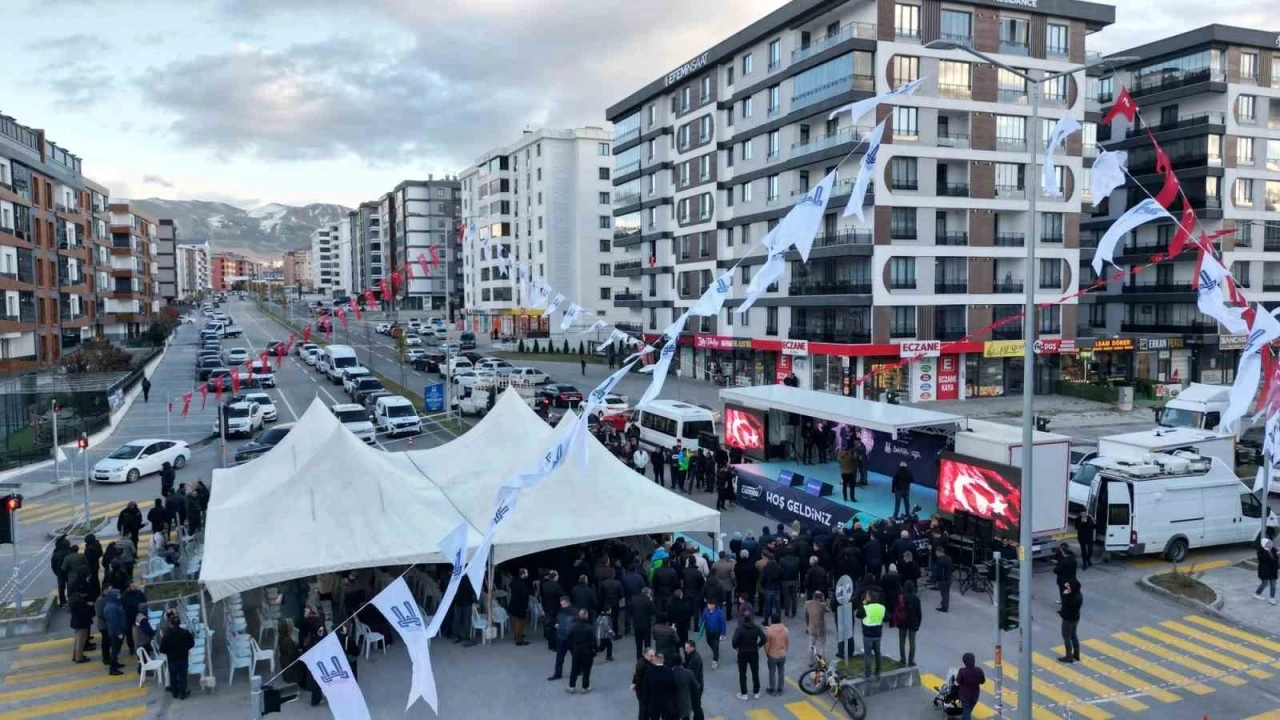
(838, 287)
(953, 140)
(964, 40)
(905, 184)
(853, 134)
(846, 32)
(947, 334)
(627, 297)
(25, 314)
(829, 334)
(627, 136)
(1010, 240)
(955, 92)
(1156, 288)
(952, 288)
(631, 327)
(627, 267)
(1271, 284)
(1183, 121)
(625, 199)
(1051, 238)
(832, 88)
(626, 168)
(1009, 331)
(951, 237)
(902, 284)
(1009, 288)
(907, 33)
(1194, 328)
(1013, 97)
(1008, 144)
(902, 233)
(1014, 48)
(953, 189)
(1174, 81)
(1010, 192)
(843, 237)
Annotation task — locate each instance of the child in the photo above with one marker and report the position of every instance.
(604, 633)
(744, 606)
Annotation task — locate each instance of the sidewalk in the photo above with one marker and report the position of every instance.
(1067, 412)
(1235, 585)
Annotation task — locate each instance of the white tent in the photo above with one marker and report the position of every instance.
(320, 501)
(607, 500)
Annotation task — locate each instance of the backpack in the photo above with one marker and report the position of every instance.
(899, 617)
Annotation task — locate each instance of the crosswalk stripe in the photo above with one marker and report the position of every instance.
(1147, 667)
(129, 713)
(761, 714)
(45, 645)
(1234, 632)
(1203, 652)
(1268, 715)
(57, 673)
(933, 682)
(1204, 637)
(1060, 697)
(803, 710)
(1083, 681)
(39, 661)
(1124, 678)
(1191, 664)
(63, 707)
(59, 688)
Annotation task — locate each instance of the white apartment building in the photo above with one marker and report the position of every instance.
(193, 269)
(331, 259)
(547, 200)
(710, 156)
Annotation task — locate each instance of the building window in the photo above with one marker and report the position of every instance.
(1240, 271)
(1057, 40)
(1244, 151)
(1242, 196)
(604, 175)
(1246, 109)
(773, 189)
(540, 222)
(902, 322)
(906, 21)
(1011, 132)
(728, 202)
(604, 171)
(746, 150)
(1055, 91)
(902, 273)
(1249, 66)
(705, 93)
(605, 245)
(602, 148)
(955, 79)
(775, 99)
(905, 69)
(902, 223)
(904, 173)
(1051, 228)
(653, 114)
(1050, 274)
(905, 123)
(775, 55)
(957, 26)
(1273, 154)
(1012, 88)
(1097, 315)
(746, 192)
(771, 321)
(728, 316)
(604, 198)
(747, 64)
(746, 107)
(605, 269)
(605, 222)
(539, 198)
(728, 76)
(1010, 177)
(1049, 319)
(1015, 35)
(773, 144)
(704, 206)
(704, 128)
(606, 293)
(704, 168)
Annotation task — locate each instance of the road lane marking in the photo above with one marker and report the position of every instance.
(1205, 653)
(64, 707)
(935, 683)
(59, 688)
(1057, 696)
(1134, 682)
(1084, 682)
(1194, 666)
(1204, 637)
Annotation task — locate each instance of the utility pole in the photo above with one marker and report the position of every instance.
(999, 651)
(54, 407)
(13, 528)
(85, 454)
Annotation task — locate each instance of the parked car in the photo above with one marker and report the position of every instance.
(497, 365)
(364, 386)
(464, 378)
(370, 400)
(208, 355)
(530, 375)
(560, 395)
(473, 356)
(352, 375)
(311, 355)
(220, 377)
(262, 400)
(414, 354)
(243, 418)
(266, 440)
(429, 362)
(413, 341)
(356, 419)
(136, 458)
(467, 341)
(264, 373)
(301, 349)
(277, 348)
(382, 328)
(396, 415)
(236, 356)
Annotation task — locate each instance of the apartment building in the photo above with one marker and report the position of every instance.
(167, 261)
(369, 249)
(297, 268)
(331, 266)
(547, 200)
(193, 270)
(1211, 98)
(711, 155)
(133, 296)
(228, 268)
(416, 216)
(98, 199)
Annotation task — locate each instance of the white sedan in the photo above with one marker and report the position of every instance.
(264, 401)
(614, 404)
(140, 457)
(236, 356)
(311, 356)
(383, 328)
(412, 341)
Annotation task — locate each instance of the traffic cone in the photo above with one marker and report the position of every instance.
(411, 446)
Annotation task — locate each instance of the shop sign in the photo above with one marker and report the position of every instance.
(1004, 348)
(1054, 346)
(949, 377)
(1113, 344)
(920, 348)
(799, 348)
(1211, 377)
(1232, 342)
(924, 380)
(1171, 343)
(783, 369)
(719, 342)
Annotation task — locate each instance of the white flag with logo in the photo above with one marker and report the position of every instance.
(769, 274)
(329, 667)
(615, 336)
(571, 313)
(1271, 440)
(713, 297)
(660, 369)
(1107, 174)
(484, 245)
(1249, 372)
(543, 295)
(1213, 297)
(596, 397)
(804, 219)
(1066, 125)
(1143, 212)
(865, 172)
(597, 325)
(641, 353)
(454, 547)
(862, 107)
(568, 437)
(555, 303)
(507, 497)
(676, 327)
(397, 605)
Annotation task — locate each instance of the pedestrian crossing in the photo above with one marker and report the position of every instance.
(802, 709)
(1142, 670)
(64, 512)
(42, 682)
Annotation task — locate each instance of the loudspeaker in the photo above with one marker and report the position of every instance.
(960, 523)
(708, 441)
(982, 529)
(791, 479)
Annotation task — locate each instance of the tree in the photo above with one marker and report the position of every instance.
(520, 346)
(401, 347)
(566, 346)
(98, 356)
(535, 347)
(582, 350)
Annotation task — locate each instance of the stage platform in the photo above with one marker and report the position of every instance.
(875, 501)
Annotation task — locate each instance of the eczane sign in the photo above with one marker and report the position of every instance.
(687, 69)
(920, 348)
(799, 348)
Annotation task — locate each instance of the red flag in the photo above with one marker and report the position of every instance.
(1169, 192)
(368, 298)
(343, 317)
(1182, 235)
(279, 359)
(1124, 105)
(386, 291)
(235, 383)
(204, 394)
(462, 233)
(408, 271)
(248, 366)
(355, 308)
(395, 278)
(328, 330)
(217, 392)
(292, 337)
(306, 334)
(435, 256)
(263, 357)
(422, 262)
(186, 404)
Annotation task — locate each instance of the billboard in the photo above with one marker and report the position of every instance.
(745, 430)
(984, 489)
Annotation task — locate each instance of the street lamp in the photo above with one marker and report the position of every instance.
(1028, 361)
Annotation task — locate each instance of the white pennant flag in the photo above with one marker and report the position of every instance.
(597, 325)
(454, 547)
(1143, 212)
(772, 270)
(660, 369)
(1249, 372)
(676, 327)
(397, 605)
(596, 397)
(570, 314)
(555, 303)
(1260, 481)
(802, 222)
(1107, 174)
(713, 297)
(329, 667)
(1213, 298)
(507, 498)
(569, 437)
(862, 107)
(865, 172)
(58, 454)
(641, 353)
(505, 265)
(544, 294)
(1065, 126)
(484, 245)
(614, 336)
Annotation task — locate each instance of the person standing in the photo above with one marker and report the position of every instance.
(582, 646)
(901, 487)
(776, 640)
(815, 623)
(606, 630)
(549, 594)
(1072, 601)
(1085, 533)
(168, 476)
(848, 475)
(724, 486)
(518, 605)
(660, 469)
(158, 516)
(747, 640)
(970, 680)
(583, 362)
(660, 689)
(176, 505)
(1268, 564)
(146, 389)
(860, 460)
(680, 612)
(907, 616)
(686, 688)
(176, 645)
(638, 678)
(871, 613)
(640, 461)
(806, 437)
(641, 611)
(82, 624)
(563, 626)
(942, 569)
(129, 522)
(693, 661)
(714, 626)
(116, 626)
(610, 594)
(1064, 568)
(61, 549)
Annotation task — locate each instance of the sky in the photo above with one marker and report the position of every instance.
(299, 101)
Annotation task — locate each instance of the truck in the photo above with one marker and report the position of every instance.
(1050, 477)
(1170, 503)
(1198, 406)
(225, 330)
(1136, 445)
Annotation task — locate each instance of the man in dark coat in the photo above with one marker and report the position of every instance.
(901, 486)
(942, 568)
(129, 522)
(61, 549)
(632, 583)
(176, 505)
(1064, 567)
(1085, 532)
(641, 611)
(518, 604)
(582, 646)
(693, 661)
(748, 638)
(816, 579)
(665, 582)
(610, 594)
(659, 691)
(167, 478)
(562, 626)
(583, 595)
(176, 645)
(549, 593)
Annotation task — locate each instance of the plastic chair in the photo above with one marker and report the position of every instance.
(369, 638)
(479, 622)
(501, 620)
(266, 627)
(240, 657)
(260, 655)
(152, 663)
(156, 568)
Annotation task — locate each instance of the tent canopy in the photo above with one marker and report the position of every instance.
(323, 501)
(838, 408)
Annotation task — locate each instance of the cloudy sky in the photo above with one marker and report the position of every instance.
(296, 101)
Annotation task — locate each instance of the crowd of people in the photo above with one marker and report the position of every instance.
(679, 468)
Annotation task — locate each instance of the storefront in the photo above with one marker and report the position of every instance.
(998, 370)
(727, 361)
(1216, 364)
(1162, 359)
(1108, 361)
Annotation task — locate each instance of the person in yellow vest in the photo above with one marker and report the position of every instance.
(871, 613)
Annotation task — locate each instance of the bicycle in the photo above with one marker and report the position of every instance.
(823, 677)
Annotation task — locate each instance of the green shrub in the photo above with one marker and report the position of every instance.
(535, 347)
(1097, 393)
(520, 346)
(582, 350)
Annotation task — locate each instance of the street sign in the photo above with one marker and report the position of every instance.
(844, 609)
(433, 396)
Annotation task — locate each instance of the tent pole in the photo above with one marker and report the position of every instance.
(489, 604)
(208, 646)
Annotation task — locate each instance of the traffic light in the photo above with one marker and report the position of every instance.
(1008, 598)
(82, 442)
(9, 502)
(12, 502)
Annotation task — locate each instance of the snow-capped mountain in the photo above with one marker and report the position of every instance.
(265, 231)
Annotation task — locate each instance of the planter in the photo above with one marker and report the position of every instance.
(1212, 608)
(33, 620)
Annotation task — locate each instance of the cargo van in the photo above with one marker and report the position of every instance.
(1198, 406)
(1206, 443)
(662, 422)
(334, 359)
(1171, 503)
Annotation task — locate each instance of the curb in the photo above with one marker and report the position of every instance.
(1214, 608)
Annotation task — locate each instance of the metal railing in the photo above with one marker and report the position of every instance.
(951, 237)
(846, 32)
(843, 237)
(945, 288)
(626, 168)
(828, 333)
(1182, 121)
(833, 88)
(954, 140)
(1008, 288)
(960, 92)
(1141, 86)
(1010, 239)
(624, 199)
(1014, 48)
(1155, 288)
(812, 287)
(953, 189)
(852, 134)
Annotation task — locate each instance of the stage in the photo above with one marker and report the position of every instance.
(760, 492)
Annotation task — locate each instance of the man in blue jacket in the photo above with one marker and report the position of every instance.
(564, 623)
(117, 626)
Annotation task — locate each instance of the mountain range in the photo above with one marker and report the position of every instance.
(263, 232)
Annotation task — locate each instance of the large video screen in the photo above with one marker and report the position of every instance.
(745, 430)
(981, 488)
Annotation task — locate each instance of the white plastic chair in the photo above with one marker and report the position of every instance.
(501, 620)
(158, 664)
(240, 656)
(260, 655)
(369, 638)
(479, 623)
(266, 627)
(156, 568)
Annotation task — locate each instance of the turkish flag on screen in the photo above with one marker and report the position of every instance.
(980, 491)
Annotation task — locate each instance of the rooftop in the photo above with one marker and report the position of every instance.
(1199, 37)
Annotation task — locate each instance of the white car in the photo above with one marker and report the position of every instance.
(415, 325)
(303, 348)
(264, 401)
(243, 418)
(465, 378)
(311, 355)
(356, 419)
(415, 354)
(412, 341)
(264, 372)
(459, 364)
(532, 376)
(140, 457)
(351, 375)
(441, 331)
(497, 365)
(383, 328)
(614, 404)
(235, 356)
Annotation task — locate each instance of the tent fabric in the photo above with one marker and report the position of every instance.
(607, 500)
(323, 501)
(320, 501)
(837, 408)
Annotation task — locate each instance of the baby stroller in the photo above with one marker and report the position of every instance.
(948, 698)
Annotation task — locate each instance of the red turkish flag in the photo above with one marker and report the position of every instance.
(235, 383)
(422, 262)
(355, 308)
(1169, 192)
(306, 334)
(435, 256)
(279, 358)
(248, 366)
(328, 330)
(204, 394)
(386, 291)
(263, 357)
(408, 271)
(217, 391)
(343, 317)
(292, 337)
(1124, 105)
(395, 278)
(186, 404)
(369, 299)
(1195, 276)
(1183, 234)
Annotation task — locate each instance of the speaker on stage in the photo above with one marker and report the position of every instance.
(817, 487)
(708, 441)
(790, 479)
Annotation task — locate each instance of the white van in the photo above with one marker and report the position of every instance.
(334, 359)
(1198, 406)
(395, 415)
(1168, 504)
(663, 421)
(1167, 440)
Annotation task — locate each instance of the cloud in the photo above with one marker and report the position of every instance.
(72, 70)
(156, 180)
